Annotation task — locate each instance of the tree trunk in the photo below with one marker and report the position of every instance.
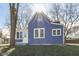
(13, 17)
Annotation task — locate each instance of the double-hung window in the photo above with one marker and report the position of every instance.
(56, 32)
(39, 33)
(19, 35)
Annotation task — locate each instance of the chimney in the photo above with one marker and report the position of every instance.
(58, 22)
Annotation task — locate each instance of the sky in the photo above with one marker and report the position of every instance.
(4, 12)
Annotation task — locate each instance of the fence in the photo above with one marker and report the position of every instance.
(72, 41)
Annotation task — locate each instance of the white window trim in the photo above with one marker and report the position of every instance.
(19, 35)
(16, 35)
(39, 33)
(56, 32)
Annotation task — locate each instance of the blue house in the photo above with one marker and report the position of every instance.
(43, 32)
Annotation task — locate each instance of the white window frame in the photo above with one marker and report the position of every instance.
(19, 35)
(39, 29)
(56, 32)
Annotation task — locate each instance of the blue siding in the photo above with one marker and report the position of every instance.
(49, 39)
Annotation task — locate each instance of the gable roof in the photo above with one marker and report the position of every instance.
(41, 14)
(44, 16)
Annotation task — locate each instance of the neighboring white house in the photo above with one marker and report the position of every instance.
(23, 36)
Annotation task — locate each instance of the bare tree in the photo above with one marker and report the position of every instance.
(70, 17)
(68, 14)
(13, 17)
(24, 16)
(55, 12)
(0, 33)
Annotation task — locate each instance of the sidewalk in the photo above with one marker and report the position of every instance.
(74, 44)
(2, 46)
(1, 50)
(8, 52)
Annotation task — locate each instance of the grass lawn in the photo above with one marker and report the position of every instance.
(45, 51)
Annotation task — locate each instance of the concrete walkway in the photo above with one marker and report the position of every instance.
(4, 45)
(74, 44)
(8, 52)
(1, 50)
